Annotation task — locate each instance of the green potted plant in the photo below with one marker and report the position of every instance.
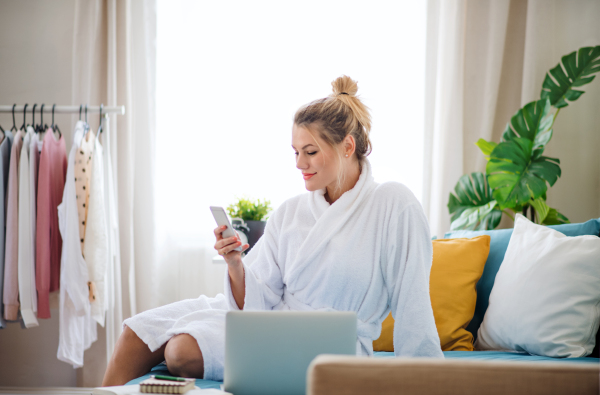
(253, 213)
(517, 175)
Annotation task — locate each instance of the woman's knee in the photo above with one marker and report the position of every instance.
(184, 357)
(128, 334)
(129, 342)
(126, 341)
(130, 359)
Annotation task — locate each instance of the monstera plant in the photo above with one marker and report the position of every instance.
(518, 175)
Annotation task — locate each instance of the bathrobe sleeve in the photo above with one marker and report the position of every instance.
(262, 272)
(409, 259)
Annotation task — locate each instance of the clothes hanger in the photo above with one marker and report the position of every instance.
(24, 126)
(55, 126)
(80, 110)
(33, 116)
(41, 128)
(14, 127)
(86, 124)
(100, 123)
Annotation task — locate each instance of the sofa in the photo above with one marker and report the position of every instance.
(465, 372)
(461, 372)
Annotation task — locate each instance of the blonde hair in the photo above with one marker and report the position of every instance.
(337, 116)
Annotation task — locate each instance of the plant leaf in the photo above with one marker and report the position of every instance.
(541, 208)
(555, 218)
(579, 66)
(473, 206)
(485, 217)
(486, 147)
(533, 122)
(515, 176)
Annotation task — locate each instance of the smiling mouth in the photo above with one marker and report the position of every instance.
(307, 176)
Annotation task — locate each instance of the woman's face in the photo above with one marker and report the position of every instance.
(318, 163)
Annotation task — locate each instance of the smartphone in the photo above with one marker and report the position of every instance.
(221, 218)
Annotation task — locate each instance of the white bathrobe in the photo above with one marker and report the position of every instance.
(368, 252)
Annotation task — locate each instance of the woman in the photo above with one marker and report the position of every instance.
(349, 245)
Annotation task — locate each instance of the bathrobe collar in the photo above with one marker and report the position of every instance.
(331, 218)
(318, 205)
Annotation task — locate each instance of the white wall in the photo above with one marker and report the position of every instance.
(35, 67)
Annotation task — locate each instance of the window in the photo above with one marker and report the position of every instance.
(231, 75)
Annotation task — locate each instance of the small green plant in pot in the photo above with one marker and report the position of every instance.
(254, 214)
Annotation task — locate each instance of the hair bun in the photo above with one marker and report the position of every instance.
(344, 85)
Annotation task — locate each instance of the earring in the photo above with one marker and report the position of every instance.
(346, 155)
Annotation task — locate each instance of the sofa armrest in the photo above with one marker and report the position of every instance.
(348, 375)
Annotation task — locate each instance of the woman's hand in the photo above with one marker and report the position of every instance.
(226, 247)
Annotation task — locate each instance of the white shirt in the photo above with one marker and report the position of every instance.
(95, 248)
(35, 148)
(77, 330)
(26, 263)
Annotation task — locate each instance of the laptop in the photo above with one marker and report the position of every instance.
(268, 352)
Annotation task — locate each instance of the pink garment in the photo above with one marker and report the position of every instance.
(51, 183)
(11, 279)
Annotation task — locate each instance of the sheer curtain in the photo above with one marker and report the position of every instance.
(230, 76)
(468, 46)
(114, 63)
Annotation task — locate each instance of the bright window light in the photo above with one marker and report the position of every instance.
(231, 75)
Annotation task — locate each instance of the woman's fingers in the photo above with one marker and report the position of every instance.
(225, 242)
(224, 246)
(219, 231)
(227, 249)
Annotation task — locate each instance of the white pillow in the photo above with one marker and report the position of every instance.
(546, 295)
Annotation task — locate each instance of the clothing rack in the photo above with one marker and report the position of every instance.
(120, 110)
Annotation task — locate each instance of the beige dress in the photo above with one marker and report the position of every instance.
(83, 171)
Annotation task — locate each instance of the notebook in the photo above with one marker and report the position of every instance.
(157, 386)
(135, 390)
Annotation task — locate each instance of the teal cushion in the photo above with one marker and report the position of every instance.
(498, 244)
(500, 356)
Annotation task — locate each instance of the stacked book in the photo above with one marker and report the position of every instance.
(164, 385)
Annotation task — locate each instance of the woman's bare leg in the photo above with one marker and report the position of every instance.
(183, 357)
(131, 359)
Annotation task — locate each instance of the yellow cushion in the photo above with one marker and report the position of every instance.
(457, 266)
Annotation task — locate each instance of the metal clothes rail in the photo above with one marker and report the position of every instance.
(120, 110)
